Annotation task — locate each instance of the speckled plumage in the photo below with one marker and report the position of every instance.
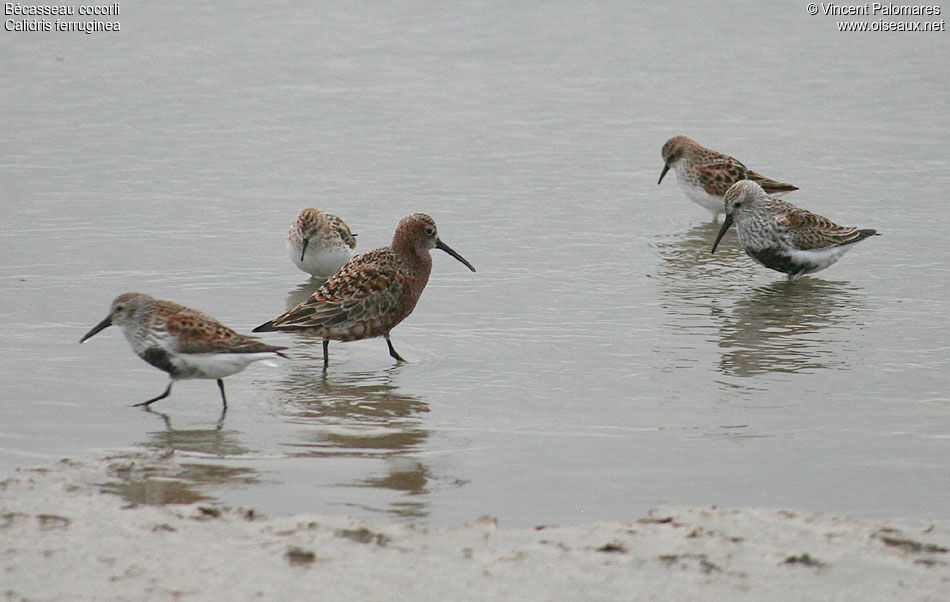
(705, 174)
(181, 341)
(784, 237)
(319, 243)
(372, 293)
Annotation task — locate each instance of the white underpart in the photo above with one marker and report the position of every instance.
(320, 260)
(821, 258)
(698, 194)
(214, 365)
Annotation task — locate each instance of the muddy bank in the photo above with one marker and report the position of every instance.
(62, 538)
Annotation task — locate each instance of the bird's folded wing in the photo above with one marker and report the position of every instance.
(350, 296)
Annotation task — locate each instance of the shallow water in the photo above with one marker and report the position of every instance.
(600, 362)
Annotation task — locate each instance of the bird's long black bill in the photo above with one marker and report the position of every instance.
(666, 168)
(98, 328)
(722, 232)
(265, 327)
(303, 247)
(441, 245)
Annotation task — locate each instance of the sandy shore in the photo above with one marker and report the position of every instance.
(62, 539)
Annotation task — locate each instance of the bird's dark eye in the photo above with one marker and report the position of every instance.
(430, 230)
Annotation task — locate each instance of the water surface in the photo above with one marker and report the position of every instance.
(600, 362)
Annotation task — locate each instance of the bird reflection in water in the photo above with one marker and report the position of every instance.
(303, 291)
(789, 327)
(149, 480)
(362, 415)
(778, 327)
(686, 255)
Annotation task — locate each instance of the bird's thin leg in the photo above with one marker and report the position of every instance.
(392, 350)
(146, 403)
(326, 352)
(224, 399)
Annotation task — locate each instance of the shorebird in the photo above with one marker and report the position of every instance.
(372, 293)
(183, 342)
(780, 235)
(705, 174)
(320, 243)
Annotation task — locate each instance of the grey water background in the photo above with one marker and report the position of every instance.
(600, 363)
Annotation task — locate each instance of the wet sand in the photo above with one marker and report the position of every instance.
(64, 539)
